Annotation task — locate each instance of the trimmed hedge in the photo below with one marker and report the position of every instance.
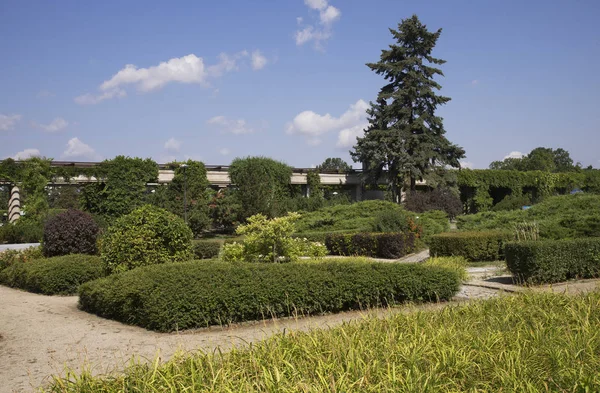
(551, 261)
(70, 232)
(474, 246)
(207, 249)
(53, 276)
(190, 295)
(381, 245)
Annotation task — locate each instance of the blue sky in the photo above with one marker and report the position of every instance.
(286, 79)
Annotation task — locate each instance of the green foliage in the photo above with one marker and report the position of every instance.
(473, 246)
(394, 220)
(148, 235)
(432, 222)
(10, 257)
(24, 230)
(262, 183)
(34, 178)
(553, 261)
(123, 187)
(535, 342)
(380, 245)
(63, 197)
(512, 202)
(560, 217)
(437, 199)
(335, 165)
(539, 159)
(266, 240)
(220, 293)
(71, 232)
(53, 276)
(405, 137)
(526, 231)
(457, 264)
(207, 249)
(225, 210)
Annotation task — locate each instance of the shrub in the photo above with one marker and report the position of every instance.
(148, 235)
(458, 264)
(207, 249)
(432, 222)
(526, 231)
(512, 202)
(53, 276)
(219, 293)
(71, 232)
(474, 246)
(10, 257)
(553, 261)
(382, 245)
(24, 230)
(438, 199)
(394, 220)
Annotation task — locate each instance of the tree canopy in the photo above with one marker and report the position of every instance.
(539, 159)
(404, 135)
(334, 164)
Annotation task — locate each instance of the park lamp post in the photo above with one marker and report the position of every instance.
(184, 166)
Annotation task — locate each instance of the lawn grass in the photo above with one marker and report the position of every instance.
(520, 343)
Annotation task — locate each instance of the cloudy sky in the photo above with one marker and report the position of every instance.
(85, 81)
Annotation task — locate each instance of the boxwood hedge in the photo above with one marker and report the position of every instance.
(207, 249)
(551, 261)
(53, 276)
(382, 245)
(474, 246)
(191, 295)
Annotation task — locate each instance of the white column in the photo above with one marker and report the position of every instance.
(14, 205)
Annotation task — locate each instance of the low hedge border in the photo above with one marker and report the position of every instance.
(474, 246)
(550, 261)
(207, 249)
(190, 295)
(53, 276)
(321, 236)
(380, 245)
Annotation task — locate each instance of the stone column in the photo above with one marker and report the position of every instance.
(14, 205)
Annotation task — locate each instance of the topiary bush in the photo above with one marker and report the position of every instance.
(381, 245)
(207, 249)
(551, 261)
(53, 276)
(149, 235)
(438, 199)
(70, 232)
(218, 293)
(474, 246)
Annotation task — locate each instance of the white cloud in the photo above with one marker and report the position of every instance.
(55, 125)
(258, 60)
(225, 151)
(234, 126)
(76, 149)
(27, 153)
(321, 31)
(7, 122)
(349, 125)
(514, 154)
(466, 164)
(173, 145)
(189, 69)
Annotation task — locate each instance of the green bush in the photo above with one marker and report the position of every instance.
(207, 249)
(70, 232)
(393, 220)
(10, 257)
(553, 261)
(458, 264)
(512, 202)
(23, 230)
(316, 236)
(474, 246)
(432, 222)
(381, 245)
(219, 293)
(148, 235)
(53, 276)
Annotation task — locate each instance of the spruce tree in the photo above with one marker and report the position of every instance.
(405, 139)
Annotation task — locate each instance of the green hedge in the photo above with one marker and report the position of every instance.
(551, 261)
(474, 246)
(207, 249)
(320, 236)
(381, 245)
(53, 276)
(190, 295)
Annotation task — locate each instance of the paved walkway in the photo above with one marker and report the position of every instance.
(4, 247)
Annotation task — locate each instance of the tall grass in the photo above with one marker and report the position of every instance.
(522, 343)
(455, 263)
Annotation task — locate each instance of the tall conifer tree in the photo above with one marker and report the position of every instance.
(405, 137)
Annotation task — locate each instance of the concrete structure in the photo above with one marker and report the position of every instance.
(14, 205)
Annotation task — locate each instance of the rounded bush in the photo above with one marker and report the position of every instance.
(147, 236)
(70, 232)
